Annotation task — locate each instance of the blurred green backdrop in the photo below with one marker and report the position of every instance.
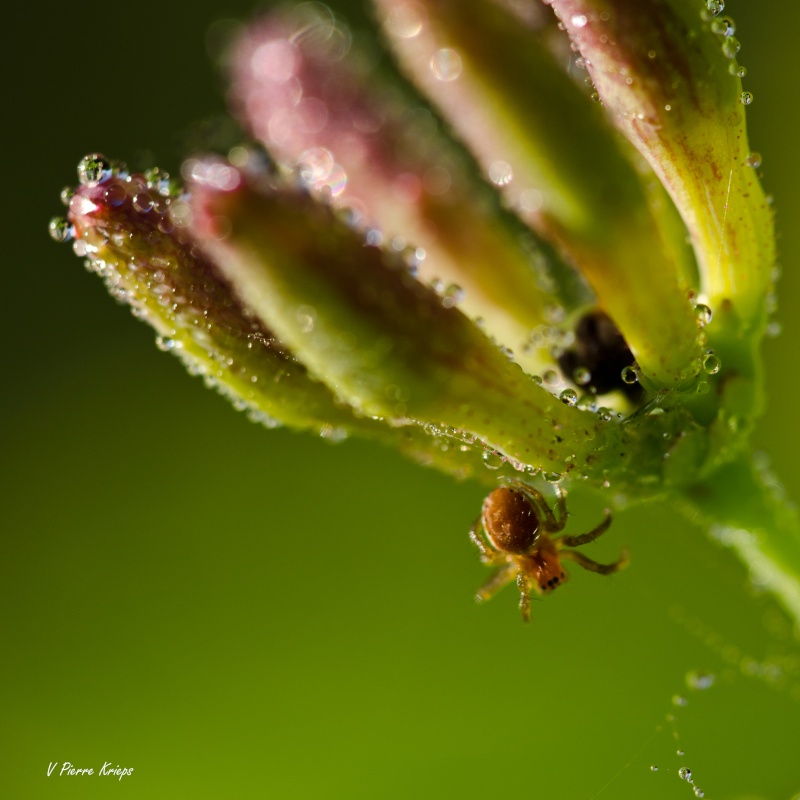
(157, 613)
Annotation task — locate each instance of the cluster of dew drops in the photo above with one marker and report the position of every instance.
(696, 681)
(159, 191)
(724, 27)
(152, 191)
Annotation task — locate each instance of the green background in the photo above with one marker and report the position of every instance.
(157, 613)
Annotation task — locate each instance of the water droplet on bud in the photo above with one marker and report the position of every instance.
(60, 229)
(569, 397)
(166, 344)
(500, 173)
(746, 98)
(492, 459)
(753, 160)
(93, 169)
(446, 64)
(730, 47)
(630, 375)
(582, 376)
(143, 202)
(453, 295)
(702, 314)
(723, 26)
(711, 364)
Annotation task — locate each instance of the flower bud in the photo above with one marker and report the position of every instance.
(511, 102)
(356, 136)
(360, 322)
(672, 87)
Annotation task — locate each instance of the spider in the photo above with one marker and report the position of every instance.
(516, 523)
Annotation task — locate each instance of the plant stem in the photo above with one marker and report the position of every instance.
(743, 506)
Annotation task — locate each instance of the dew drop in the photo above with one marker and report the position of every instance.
(453, 295)
(679, 700)
(93, 169)
(553, 477)
(551, 377)
(685, 774)
(702, 313)
(700, 681)
(143, 202)
(492, 459)
(405, 21)
(157, 179)
(746, 98)
(753, 160)
(315, 165)
(679, 753)
(60, 230)
(715, 7)
(711, 364)
(582, 376)
(703, 387)
(629, 375)
(306, 318)
(604, 413)
(653, 768)
(569, 397)
(165, 344)
(698, 792)
(446, 64)
(115, 195)
(730, 47)
(500, 173)
(531, 200)
(579, 20)
(737, 70)
(66, 195)
(335, 183)
(723, 26)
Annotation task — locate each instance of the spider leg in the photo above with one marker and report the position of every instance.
(589, 536)
(524, 586)
(500, 579)
(488, 554)
(593, 566)
(553, 523)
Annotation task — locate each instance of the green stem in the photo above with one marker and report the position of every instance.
(744, 506)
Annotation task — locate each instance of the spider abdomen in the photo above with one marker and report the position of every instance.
(510, 521)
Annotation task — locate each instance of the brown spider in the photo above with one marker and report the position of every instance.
(516, 522)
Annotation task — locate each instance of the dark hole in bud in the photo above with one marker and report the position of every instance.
(602, 351)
